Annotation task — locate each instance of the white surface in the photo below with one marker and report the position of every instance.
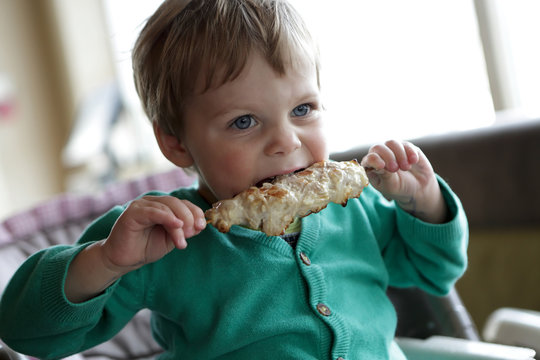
(446, 348)
(514, 327)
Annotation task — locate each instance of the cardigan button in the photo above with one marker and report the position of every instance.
(323, 309)
(305, 259)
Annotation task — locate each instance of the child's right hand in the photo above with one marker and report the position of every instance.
(150, 228)
(147, 230)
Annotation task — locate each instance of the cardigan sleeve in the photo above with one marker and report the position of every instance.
(424, 255)
(37, 319)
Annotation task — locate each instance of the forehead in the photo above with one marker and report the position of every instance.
(256, 87)
(295, 63)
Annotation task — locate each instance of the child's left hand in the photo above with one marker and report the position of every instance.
(401, 172)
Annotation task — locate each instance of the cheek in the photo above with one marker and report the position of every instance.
(228, 173)
(317, 145)
(323, 147)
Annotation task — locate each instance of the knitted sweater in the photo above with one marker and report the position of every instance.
(244, 295)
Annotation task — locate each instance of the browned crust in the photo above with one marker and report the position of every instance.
(260, 198)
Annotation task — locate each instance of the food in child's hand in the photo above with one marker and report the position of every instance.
(274, 205)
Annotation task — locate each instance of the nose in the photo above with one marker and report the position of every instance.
(283, 139)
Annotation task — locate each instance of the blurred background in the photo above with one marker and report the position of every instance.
(70, 120)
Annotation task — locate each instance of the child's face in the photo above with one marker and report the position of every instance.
(259, 125)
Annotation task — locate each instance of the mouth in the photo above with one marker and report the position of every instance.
(264, 181)
(272, 178)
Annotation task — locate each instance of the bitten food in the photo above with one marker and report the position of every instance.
(274, 205)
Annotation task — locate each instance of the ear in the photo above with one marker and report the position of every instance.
(173, 149)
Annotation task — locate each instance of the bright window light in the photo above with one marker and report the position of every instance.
(399, 69)
(522, 33)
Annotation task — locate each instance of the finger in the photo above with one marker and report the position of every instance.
(154, 216)
(154, 213)
(199, 222)
(183, 212)
(191, 215)
(387, 156)
(373, 161)
(177, 237)
(412, 151)
(145, 212)
(163, 217)
(174, 238)
(400, 154)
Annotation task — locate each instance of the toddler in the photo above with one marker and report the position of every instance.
(232, 90)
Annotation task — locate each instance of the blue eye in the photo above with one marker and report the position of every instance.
(243, 122)
(301, 110)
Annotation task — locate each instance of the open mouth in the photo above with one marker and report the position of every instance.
(272, 178)
(264, 181)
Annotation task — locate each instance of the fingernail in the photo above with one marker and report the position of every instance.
(201, 223)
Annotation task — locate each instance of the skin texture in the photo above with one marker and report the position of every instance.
(261, 124)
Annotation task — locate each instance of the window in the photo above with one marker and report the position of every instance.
(399, 69)
(510, 33)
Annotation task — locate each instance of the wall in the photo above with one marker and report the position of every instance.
(503, 271)
(56, 53)
(31, 138)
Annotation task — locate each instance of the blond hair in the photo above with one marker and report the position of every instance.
(188, 42)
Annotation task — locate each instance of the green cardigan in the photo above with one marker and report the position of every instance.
(244, 295)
